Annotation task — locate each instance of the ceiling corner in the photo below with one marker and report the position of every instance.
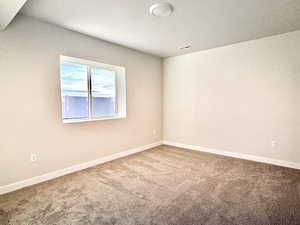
(8, 10)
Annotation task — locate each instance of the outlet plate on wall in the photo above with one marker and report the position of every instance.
(33, 157)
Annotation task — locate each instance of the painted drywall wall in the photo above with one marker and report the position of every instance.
(30, 114)
(237, 98)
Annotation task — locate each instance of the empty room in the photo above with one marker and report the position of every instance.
(149, 112)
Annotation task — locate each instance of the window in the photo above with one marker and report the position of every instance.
(91, 91)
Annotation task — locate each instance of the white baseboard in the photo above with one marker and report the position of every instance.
(49, 176)
(236, 155)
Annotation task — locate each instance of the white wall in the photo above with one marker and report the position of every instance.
(237, 98)
(30, 113)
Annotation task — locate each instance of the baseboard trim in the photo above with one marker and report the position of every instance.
(49, 176)
(236, 155)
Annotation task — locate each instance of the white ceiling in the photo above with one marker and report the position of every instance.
(8, 10)
(203, 24)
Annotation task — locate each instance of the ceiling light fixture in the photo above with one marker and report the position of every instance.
(184, 47)
(161, 9)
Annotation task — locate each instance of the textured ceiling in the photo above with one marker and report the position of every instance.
(203, 24)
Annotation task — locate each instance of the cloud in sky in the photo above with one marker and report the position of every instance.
(74, 81)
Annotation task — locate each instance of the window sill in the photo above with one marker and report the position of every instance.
(82, 120)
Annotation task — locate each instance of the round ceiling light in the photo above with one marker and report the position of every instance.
(161, 9)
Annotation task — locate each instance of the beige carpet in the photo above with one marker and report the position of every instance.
(162, 186)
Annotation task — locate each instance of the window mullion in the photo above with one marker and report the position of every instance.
(90, 92)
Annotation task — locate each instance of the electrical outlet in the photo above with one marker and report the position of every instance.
(273, 144)
(33, 157)
(154, 132)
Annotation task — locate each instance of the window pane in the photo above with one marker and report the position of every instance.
(74, 90)
(103, 92)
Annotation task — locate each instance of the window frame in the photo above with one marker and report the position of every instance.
(120, 90)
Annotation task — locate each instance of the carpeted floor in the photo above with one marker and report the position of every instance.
(162, 186)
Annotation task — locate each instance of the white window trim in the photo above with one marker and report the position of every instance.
(120, 90)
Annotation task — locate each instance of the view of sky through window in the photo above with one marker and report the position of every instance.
(74, 87)
(103, 91)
